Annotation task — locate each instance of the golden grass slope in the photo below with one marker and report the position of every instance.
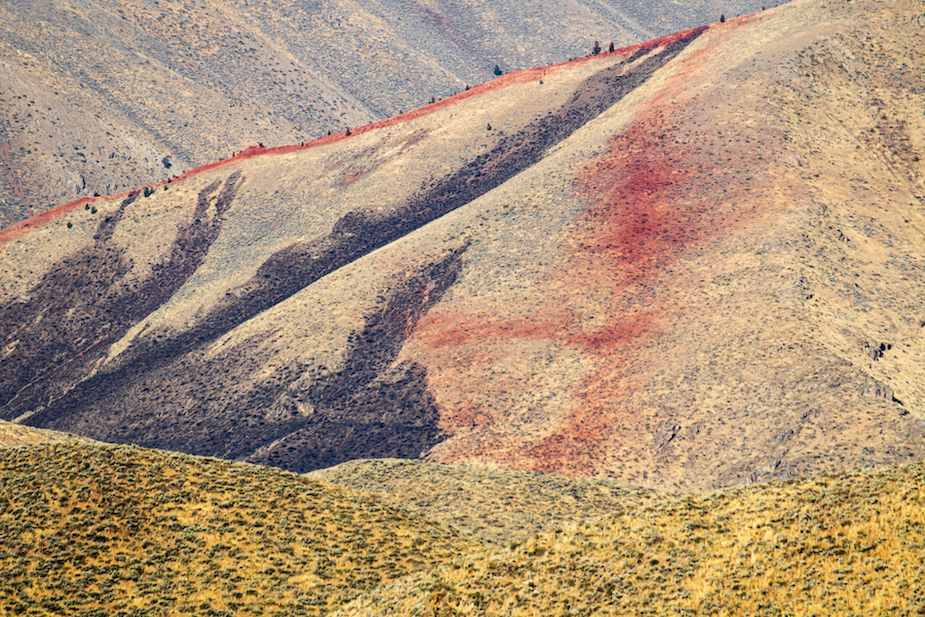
(18, 435)
(97, 529)
(496, 506)
(128, 531)
(850, 544)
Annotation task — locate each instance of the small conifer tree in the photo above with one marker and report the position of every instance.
(497, 70)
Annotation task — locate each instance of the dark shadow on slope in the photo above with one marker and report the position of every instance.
(353, 236)
(373, 408)
(299, 417)
(86, 301)
(360, 232)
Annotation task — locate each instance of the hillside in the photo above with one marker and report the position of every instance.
(497, 507)
(18, 435)
(688, 264)
(102, 96)
(837, 545)
(94, 529)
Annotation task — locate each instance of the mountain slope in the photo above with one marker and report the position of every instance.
(687, 264)
(124, 530)
(842, 545)
(100, 96)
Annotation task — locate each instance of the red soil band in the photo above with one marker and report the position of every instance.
(18, 230)
(650, 203)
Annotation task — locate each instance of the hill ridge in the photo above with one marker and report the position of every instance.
(519, 76)
(225, 74)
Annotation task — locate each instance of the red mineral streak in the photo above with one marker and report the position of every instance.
(443, 329)
(652, 200)
(645, 212)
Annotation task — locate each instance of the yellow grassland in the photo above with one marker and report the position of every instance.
(18, 435)
(834, 545)
(97, 529)
(497, 506)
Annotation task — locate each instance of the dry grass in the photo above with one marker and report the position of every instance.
(834, 545)
(18, 435)
(497, 506)
(96, 529)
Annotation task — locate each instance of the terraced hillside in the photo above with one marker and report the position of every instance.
(101, 96)
(687, 264)
(94, 529)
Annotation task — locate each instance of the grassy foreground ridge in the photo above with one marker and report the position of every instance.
(93, 529)
(90, 529)
(496, 506)
(851, 544)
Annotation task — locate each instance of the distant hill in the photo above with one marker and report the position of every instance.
(101, 96)
(689, 264)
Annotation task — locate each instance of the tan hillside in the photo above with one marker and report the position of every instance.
(835, 545)
(90, 529)
(689, 264)
(102, 96)
(495, 506)
(18, 435)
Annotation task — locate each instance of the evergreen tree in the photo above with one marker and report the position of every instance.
(497, 70)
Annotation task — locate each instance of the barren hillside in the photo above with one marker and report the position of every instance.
(687, 264)
(101, 96)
